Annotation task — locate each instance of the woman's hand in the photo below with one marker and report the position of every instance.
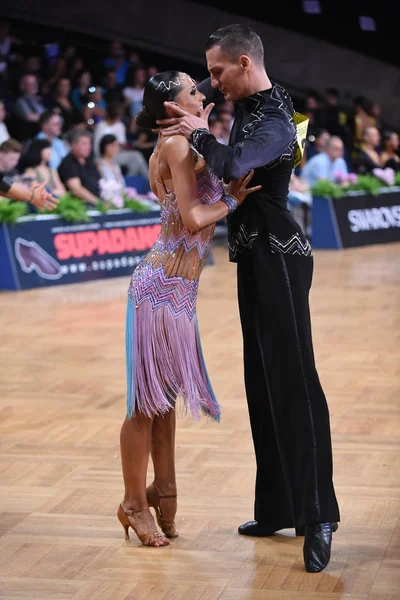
(238, 189)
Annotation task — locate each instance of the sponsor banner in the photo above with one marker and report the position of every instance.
(47, 251)
(366, 219)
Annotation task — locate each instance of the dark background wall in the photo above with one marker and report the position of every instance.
(179, 28)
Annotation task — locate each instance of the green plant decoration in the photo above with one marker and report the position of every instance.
(11, 211)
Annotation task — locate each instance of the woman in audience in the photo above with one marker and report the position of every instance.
(107, 166)
(62, 104)
(36, 166)
(134, 93)
(368, 158)
(79, 94)
(390, 153)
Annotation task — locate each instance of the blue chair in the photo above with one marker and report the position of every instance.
(139, 182)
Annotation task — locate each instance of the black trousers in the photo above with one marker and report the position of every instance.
(287, 406)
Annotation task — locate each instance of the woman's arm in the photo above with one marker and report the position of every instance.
(59, 188)
(195, 215)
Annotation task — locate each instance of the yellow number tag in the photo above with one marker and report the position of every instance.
(301, 122)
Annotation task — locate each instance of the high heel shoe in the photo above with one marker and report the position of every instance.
(147, 539)
(164, 517)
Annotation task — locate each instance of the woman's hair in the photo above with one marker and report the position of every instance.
(386, 136)
(161, 88)
(33, 156)
(105, 141)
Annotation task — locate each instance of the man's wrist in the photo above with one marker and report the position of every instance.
(5, 184)
(197, 136)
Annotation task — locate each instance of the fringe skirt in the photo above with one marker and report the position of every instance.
(165, 364)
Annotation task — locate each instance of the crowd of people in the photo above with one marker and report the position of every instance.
(70, 121)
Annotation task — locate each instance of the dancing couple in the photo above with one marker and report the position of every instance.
(198, 182)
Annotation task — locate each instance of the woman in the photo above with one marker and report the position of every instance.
(36, 166)
(109, 170)
(133, 94)
(79, 94)
(62, 104)
(390, 150)
(164, 358)
(368, 157)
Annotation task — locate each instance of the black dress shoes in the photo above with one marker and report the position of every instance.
(256, 529)
(317, 546)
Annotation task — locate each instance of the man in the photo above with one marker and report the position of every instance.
(50, 129)
(329, 164)
(317, 141)
(10, 153)
(29, 105)
(287, 406)
(77, 171)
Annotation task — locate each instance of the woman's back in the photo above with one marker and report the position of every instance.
(180, 252)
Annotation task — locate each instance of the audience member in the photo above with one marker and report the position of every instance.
(368, 158)
(131, 160)
(316, 142)
(226, 119)
(133, 93)
(79, 94)
(328, 164)
(35, 162)
(61, 104)
(29, 105)
(112, 91)
(77, 170)
(111, 124)
(58, 70)
(390, 150)
(107, 166)
(50, 129)
(217, 129)
(4, 135)
(117, 61)
(144, 141)
(28, 108)
(10, 154)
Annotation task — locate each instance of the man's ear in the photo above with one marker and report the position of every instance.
(244, 62)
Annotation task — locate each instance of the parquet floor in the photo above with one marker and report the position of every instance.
(62, 401)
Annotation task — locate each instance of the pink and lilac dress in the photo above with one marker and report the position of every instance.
(165, 364)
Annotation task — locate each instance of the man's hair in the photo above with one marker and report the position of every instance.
(235, 40)
(10, 145)
(77, 133)
(46, 116)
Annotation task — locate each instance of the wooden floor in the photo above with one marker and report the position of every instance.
(62, 401)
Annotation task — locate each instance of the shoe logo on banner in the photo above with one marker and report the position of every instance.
(32, 257)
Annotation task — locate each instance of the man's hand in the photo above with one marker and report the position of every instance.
(184, 123)
(42, 199)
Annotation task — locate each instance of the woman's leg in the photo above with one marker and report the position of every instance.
(163, 452)
(135, 441)
(162, 493)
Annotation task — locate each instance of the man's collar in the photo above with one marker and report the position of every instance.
(256, 100)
